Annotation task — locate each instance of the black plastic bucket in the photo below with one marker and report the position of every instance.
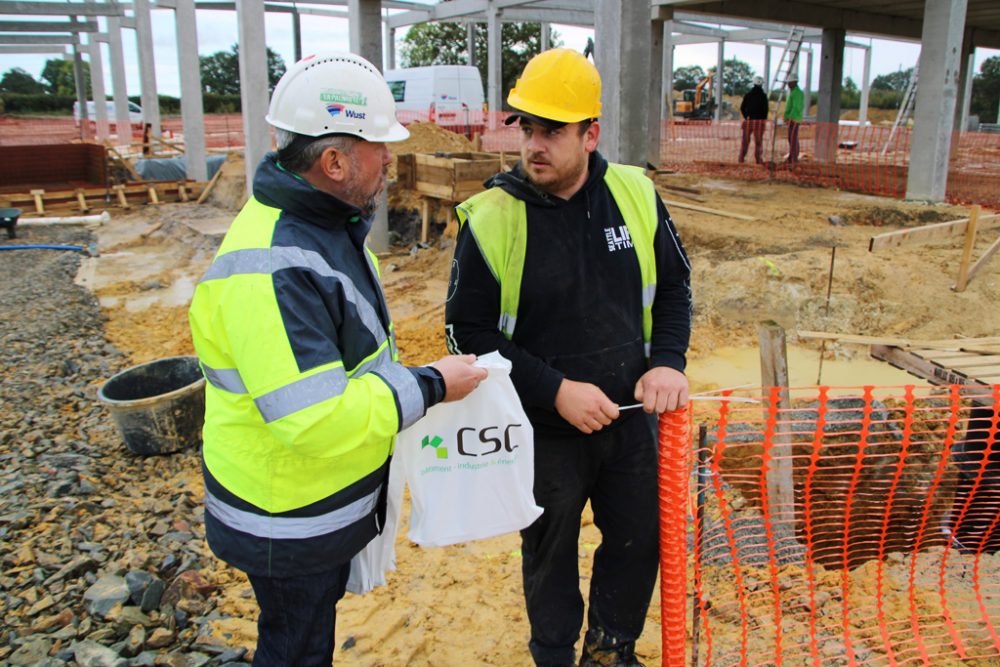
(159, 406)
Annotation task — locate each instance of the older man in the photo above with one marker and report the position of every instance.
(305, 391)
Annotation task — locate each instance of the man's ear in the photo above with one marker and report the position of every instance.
(591, 136)
(334, 165)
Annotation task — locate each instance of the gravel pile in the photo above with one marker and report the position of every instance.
(102, 552)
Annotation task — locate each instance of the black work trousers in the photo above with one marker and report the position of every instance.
(298, 617)
(616, 471)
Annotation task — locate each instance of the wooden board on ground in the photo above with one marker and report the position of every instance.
(83, 200)
(986, 345)
(927, 233)
(943, 368)
(710, 211)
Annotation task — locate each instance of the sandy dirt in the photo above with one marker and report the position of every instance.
(462, 605)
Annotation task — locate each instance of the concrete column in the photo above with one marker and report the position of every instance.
(767, 68)
(297, 36)
(831, 74)
(493, 71)
(656, 91)
(98, 93)
(667, 107)
(147, 66)
(622, 30)
(865, 88)
(966, 74)
(720, 70)
(365, 27)
(470, 42)
(81, 92)
(546, 35)
(122, 121)
(254, 96)
(192, 107)
(366, 40)
(389, 45)
(937, 96)
(808, 90)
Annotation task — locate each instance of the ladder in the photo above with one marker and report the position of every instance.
(786, 66)
(906, 107)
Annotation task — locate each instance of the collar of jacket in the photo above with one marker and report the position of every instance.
(515, 183)
(274, 186)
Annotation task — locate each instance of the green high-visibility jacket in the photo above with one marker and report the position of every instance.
(304, 390)
(499, 223)
(794, 105)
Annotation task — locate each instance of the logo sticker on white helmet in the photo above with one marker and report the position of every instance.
(344, 96)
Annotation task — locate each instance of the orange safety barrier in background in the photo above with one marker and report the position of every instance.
(868, 159)
(884, 550)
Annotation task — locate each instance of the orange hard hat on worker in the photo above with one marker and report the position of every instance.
(559, 86)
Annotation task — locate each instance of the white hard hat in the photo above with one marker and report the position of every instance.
(758, 81)
(792, 78)
(335, 93)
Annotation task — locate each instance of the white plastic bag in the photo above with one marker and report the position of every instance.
(470, 464)
(369, 566)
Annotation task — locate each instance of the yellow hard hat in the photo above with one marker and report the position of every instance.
(559, 85)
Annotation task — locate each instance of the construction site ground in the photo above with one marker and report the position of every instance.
(452, 606)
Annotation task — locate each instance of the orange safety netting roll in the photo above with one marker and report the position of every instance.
(840, 526)
(675, 438)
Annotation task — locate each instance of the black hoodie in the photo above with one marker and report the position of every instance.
(580, 309)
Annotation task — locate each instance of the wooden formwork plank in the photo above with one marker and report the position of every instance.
(935, 232)
(37, 196)
(970, 244)
(81, 198)
(909, 361)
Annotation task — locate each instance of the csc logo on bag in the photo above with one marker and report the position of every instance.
(469, 441)
(505, 445)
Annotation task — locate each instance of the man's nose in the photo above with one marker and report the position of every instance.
(535, 143)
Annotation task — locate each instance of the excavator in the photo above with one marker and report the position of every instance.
(697, 104)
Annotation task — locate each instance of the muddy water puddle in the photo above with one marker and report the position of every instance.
(736, 366)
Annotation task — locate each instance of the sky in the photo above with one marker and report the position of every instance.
(217, 31)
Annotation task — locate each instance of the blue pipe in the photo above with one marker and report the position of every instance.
(77, 248)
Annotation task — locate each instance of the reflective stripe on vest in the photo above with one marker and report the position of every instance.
(290, 528)
(329, 383)
(324, 385)
(498, 222)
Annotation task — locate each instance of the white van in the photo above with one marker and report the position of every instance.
(134, 112)
(449, 95)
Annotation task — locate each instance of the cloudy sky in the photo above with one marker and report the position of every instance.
(217, 31)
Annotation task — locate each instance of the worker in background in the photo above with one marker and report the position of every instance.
(754, 111)
(305, 391)
(793, 116)
(571, 267)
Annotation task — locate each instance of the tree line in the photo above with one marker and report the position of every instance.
(55, 89)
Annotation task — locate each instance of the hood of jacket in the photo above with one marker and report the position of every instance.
(515, 183)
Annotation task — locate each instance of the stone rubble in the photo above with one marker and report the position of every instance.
(102, 552)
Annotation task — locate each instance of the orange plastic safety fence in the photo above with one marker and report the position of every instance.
(869, 159)
(675, 438)
(883, 548)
